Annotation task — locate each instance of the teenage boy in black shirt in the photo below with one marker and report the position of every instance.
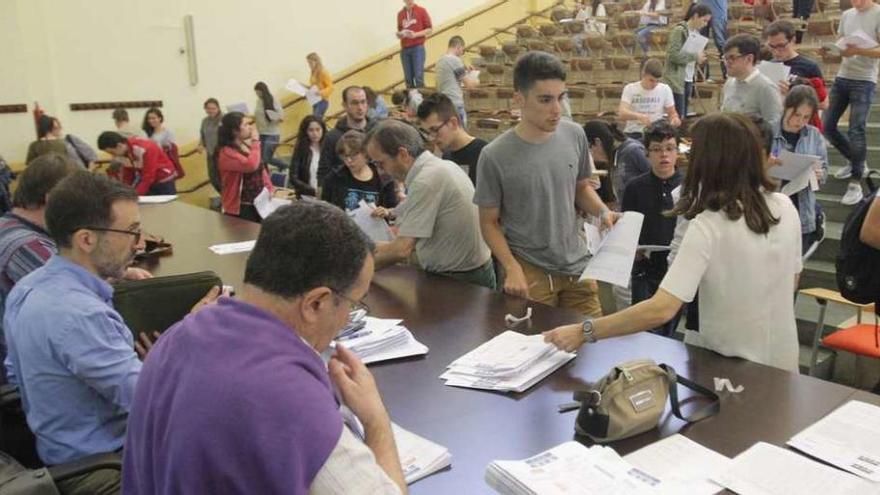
(439, 121)
(651, 194)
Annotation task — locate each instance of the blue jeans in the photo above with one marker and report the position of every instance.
(413, 60)
(681, 100)
(642, 34)
(857, 95)
(268, 143)
(718, 23)
(320, 108)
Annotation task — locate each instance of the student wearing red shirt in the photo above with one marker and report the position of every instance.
(149, 170)
(242, 175)
(413, 25)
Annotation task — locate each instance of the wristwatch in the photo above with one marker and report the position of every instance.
(589, 334)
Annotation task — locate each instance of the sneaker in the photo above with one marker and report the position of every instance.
(819, 233)
(844, 173)
(853, 194)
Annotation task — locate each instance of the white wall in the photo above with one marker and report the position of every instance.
(77, 51)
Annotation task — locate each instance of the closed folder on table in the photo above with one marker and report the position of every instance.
(154, 304)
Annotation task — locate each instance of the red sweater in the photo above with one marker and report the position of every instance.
(232, 165)
(415, 21)
(151, 164)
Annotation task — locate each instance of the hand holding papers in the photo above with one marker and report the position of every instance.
(510, 362)
(795, 168)
(694, 44)
(312, 95)
(775, 71)
(419, 457)
(376, 228)
(266, 204)
(848, 438)
(613, 254)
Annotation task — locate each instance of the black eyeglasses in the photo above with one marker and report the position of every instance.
(137, 234)
(353, 305)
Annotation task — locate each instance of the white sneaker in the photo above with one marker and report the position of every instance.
(853, 194)
(844, 173)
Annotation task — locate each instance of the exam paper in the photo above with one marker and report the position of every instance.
(159, 199)
(848, 438)
(419, 457)
(795, 168)
(859, 38)
(683, 466)
(766, 469)
(695, 43)
(775, 71)
(613, 260)
(233, 247)
(376, 228)
(312, 95)
(266, 204)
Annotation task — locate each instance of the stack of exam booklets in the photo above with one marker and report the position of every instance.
(419, 457)
(378, 339)
(510, 362)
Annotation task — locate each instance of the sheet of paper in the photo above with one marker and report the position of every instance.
(695, 43)
(266, 204)
(233, 247)
(376, 228)
(297, 87)
(419, 457)
(238, 107)
(613, 262)
(775, 71)
(859, 38)
(848, 438)
(153, 200)
(683, 466)
(795, 168)
(274, 116)
(313, 96)
(766, 469)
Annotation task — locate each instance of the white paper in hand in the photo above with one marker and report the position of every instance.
(795, 168)
(376, 228)
(297, 87)
(266, 204)
(694, 44)
(775, 71)
(614, 260)
(859, 39)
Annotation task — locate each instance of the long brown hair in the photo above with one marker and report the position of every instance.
(726, 172)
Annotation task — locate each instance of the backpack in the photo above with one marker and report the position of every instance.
(858, 265)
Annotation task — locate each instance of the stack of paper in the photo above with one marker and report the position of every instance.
(570, 468)
(766, 469)
(848, 438)
(859, 39)
(419, 457)
(774, 71)
(381, 340)
(797, 169)
(510, 362)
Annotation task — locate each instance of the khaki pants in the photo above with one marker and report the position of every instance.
(563, 291)
(101, 482)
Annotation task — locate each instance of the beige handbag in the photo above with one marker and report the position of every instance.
(630, 400)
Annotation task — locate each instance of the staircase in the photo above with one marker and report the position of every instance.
(819, 269)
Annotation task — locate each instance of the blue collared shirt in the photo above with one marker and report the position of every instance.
(73, 359)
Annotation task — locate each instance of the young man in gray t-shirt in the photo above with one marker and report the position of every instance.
(451, 73)
(854, 87)
(531, 182)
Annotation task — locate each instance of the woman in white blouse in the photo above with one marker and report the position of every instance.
(742, 251)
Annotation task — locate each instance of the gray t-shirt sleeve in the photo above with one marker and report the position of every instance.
(488, 191)
(420, 214)
(458, 68)
(585, 167)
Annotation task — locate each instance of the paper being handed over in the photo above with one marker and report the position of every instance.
(614, 253)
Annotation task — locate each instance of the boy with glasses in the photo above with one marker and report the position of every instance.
(651, 194)
(747, 90)
(439, 121)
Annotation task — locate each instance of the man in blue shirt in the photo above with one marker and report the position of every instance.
(69, 351)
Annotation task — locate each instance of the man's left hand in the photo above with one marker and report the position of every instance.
(145, 343)
(133, 273)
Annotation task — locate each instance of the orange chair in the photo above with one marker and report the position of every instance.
(862, 339)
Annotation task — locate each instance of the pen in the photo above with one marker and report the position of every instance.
(354, 335)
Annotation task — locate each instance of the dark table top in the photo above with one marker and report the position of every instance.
(452, 318)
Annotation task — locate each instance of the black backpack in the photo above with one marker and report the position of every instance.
(858, 265)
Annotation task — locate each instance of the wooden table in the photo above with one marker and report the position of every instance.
(452, 318)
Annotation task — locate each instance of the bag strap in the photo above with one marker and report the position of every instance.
(871, 187)
(708, 410)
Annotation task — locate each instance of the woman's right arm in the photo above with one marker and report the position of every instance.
(233, 161)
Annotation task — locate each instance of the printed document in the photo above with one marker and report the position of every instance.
(266, 204)
(766, 469)
(375, 228)
(848, 438)
(233, 247)
(775, 71)
(694, 44)
(796, 168)
(613, 258)
(419, 457)
(683, 466)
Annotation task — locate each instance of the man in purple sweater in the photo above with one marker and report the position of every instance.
(236, 399)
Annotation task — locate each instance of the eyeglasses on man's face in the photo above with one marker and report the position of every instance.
(136, 233)
(353, 304)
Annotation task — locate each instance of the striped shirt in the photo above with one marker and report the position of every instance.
(24, 247)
